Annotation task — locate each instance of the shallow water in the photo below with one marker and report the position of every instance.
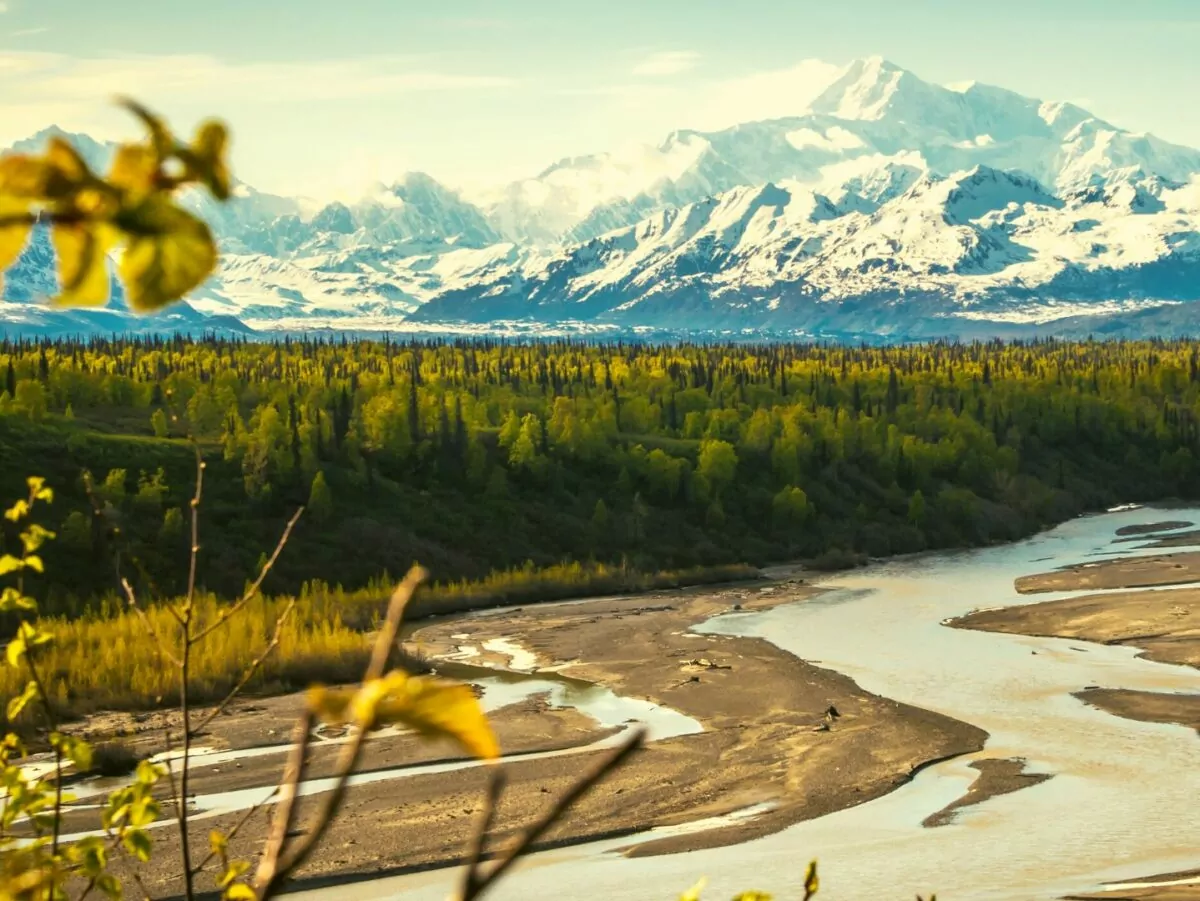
(1121, 804)
(500, 689)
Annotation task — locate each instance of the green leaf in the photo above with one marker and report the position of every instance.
(109, 885)
(78, 751)
(169, 252)
(234, 870)
(137, 842)
(82, 251)
(37, 487)
(148, 773)
(91, 855)
(15, 651)
(17, 704)
(34, 537)
(143, 812)
(11, 599)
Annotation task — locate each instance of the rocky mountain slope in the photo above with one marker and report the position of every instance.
(889, 208)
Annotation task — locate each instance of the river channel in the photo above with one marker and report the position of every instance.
(1121, 803)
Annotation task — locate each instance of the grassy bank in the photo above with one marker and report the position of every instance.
(114, 659)
(529, 585)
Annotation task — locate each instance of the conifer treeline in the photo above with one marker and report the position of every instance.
(472, 454)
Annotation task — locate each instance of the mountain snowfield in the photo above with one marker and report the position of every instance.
(888, 208)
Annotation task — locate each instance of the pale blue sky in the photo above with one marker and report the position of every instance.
(323, 94)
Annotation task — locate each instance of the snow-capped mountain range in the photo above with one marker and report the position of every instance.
(888, 208)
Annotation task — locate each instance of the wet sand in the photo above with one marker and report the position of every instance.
(1149, 528)
(1147, 706)
(1139, 572)
(996, 777)
(1164, 624)
(1190, 538)
(1146, 890)
(769, 738)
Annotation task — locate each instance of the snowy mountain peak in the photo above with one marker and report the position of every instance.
(887, 205)
(335, 217)
(865, 90)
(97, 154)
(972, 194)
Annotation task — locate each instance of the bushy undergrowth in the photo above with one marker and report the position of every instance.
(102, 660)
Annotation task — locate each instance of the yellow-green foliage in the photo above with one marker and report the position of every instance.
(100, 662)
(521, 585)
(103, 661)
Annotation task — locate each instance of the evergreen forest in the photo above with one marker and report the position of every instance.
(474, 456)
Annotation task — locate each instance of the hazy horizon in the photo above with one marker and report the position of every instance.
(363, 92)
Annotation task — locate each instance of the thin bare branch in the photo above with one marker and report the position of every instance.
(391, 624)
(480, 878)
(194, 554)
(167, 747)
(116, 846)
(249, 672)
(479, 839)
(160, 645)
(58, 754)
(185, 651)
(245, 818)
(295, 856)
(146, 896)
(252, 592)
(285, 810)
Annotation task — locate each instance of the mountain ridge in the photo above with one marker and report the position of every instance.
(887, 204)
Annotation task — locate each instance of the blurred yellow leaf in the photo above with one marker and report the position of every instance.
(83, 262)
(138, 843)
(31, 178)
(161, 139)
(207, 158)
(693, 894)
(432, 706)
(66, 160)
(330, 705)
(134, 168)
(17, 704)
(15, 225)
(811, 882)
(169, 253)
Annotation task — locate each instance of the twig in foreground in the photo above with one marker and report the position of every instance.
(250, 670)
(279, 864)
(479, 877)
